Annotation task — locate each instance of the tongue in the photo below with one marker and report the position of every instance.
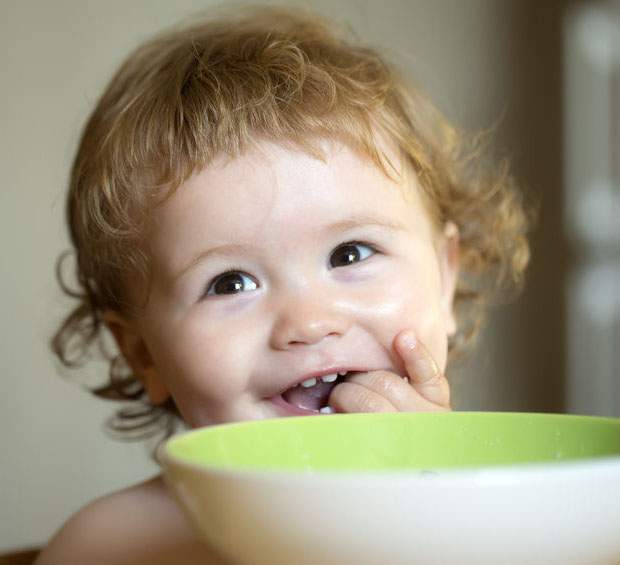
(313, 398)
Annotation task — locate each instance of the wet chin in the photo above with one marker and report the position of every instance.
(257, 411)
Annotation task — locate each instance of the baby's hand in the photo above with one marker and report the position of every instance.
(424, 389)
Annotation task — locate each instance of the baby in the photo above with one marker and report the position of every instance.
(271, 223)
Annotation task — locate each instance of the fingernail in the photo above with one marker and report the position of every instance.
(409, 340)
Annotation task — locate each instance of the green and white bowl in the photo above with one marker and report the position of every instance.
(461, 487)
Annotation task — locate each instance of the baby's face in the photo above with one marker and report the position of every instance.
(275, 268)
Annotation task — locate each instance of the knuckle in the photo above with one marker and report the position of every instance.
(432, 376)
(384, 382)
(366, 402)
(358, 398)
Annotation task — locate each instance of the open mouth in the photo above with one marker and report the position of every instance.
(313, 394)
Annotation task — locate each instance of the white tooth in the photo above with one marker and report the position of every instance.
(329, 378)
(326, 410)
(342, 373)
(308, 383)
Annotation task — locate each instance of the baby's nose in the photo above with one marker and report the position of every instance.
(307, 321)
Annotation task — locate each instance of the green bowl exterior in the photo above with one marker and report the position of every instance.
(390, 442)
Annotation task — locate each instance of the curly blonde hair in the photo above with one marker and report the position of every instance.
(281, 75)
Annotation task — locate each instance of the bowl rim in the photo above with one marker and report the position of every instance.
(536, 470)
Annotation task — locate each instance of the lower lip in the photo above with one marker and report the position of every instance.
(286, 409)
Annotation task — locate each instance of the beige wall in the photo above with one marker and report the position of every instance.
(55, 57)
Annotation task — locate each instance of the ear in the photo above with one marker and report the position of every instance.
(137, 355)
(449, 258)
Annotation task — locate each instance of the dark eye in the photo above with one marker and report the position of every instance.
(232, 283)
(349, 253)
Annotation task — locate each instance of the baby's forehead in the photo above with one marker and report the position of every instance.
(274, 197)
(336, 158)
(272, 183)
(234, 199)
(266, 155)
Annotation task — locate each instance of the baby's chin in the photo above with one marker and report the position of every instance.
(244, 412)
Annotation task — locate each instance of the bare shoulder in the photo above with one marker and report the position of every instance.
(138, 525)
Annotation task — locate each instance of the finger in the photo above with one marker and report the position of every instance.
(352, 398)
(424, 374)
(397, 391)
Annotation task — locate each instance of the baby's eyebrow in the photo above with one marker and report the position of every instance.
(220, 250)
(363, 221)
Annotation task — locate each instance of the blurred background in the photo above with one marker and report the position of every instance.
(549, 72)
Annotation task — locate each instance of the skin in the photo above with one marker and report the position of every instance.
(269, 269)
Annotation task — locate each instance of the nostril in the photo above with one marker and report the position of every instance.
(311, 339)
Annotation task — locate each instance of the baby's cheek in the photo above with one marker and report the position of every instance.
(428, 325)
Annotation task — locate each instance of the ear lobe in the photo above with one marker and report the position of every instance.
(137, 355)
(449, 259)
